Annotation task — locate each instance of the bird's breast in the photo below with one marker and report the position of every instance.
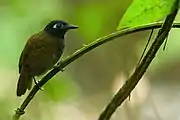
(45, 56)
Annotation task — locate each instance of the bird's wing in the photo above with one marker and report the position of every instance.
(27, 49)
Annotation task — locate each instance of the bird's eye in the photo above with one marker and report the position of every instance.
(57, 26)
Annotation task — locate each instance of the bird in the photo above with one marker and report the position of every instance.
(41, 53)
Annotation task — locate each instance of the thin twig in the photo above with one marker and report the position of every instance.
(78, 54)
(145, 48)
(165, 43)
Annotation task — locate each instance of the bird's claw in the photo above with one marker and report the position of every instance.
(37, 83)
(20, 111)
(57, 66)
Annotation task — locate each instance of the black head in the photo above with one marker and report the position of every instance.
(58, 28)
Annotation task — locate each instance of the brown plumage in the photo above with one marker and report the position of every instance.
(41, 53)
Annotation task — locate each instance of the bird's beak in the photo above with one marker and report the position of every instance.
(72, 27)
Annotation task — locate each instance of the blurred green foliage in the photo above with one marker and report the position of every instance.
(22, 18)
(60, 87)
(88, 81)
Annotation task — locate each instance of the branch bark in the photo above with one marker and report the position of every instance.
(105, 115)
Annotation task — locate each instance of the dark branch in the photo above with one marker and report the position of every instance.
(130, 84)
(78, 54)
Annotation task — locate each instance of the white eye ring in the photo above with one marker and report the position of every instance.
(56, 26)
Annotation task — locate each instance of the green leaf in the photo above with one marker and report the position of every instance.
(145, 11)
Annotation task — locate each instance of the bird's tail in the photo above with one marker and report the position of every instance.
(24, 83)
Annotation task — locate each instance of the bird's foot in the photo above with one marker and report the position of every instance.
(37, 83)
(57, 66)
(19, 111)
